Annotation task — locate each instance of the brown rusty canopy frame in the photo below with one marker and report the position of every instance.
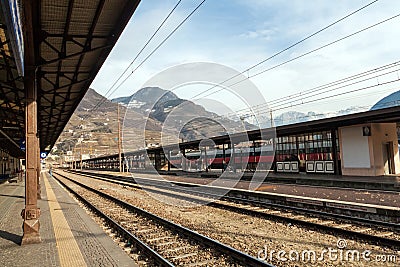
(72, 39)
(65, 44)
(12, 92)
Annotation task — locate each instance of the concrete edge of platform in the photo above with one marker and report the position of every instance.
(342, 182)
(95, 245)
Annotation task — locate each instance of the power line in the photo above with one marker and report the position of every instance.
(383, 104)
(263, 108)
(273, 55)
(155, 49)
(300, 56)
(289, 47)
(261, 62)
(324, 86)
(328, 90)
(347, 79)
(140, 52)
(339, 94)
(305, 54)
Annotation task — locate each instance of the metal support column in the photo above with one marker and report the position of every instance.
(119, 140)
(157, 160)
(335, 152)
(233, 158)
(223, 158)
(169, 161)
(184, 160)
(81, 163)
(39, 191)
(31, 212)
(205, 158)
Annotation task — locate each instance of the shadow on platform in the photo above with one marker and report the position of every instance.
(2, 195)
(11, 237)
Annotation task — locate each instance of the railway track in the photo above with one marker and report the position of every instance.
(376, 232)
(163, 242)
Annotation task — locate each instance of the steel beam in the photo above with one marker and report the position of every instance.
(39, 168)
(31, 212)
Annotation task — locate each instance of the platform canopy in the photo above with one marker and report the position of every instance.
(72, 39)
(11, 81)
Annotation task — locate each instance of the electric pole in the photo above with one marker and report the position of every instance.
(119, 139)
(81, 154)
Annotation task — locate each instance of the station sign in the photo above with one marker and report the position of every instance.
(22, 144)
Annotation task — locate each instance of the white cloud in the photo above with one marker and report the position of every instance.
(246, 32)
(264, 34)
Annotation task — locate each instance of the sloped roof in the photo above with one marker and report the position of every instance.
(74, 40)
(71, 40)
(391, 100)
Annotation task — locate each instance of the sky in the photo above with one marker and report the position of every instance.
(239, 34)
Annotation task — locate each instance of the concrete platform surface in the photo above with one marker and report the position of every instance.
(70, 237)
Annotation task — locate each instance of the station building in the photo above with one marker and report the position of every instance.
(360, 144)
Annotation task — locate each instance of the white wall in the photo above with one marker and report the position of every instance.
(355, 148)
(363, 155)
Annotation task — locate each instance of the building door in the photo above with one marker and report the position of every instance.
(388, 160)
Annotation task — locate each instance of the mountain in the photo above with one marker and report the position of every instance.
(147, 95)
(91, 99)
(94, 125)
(291, 117)
(152, 116)
(146, 117)
(193, 120)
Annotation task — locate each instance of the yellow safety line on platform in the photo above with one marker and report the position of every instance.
(68, 250)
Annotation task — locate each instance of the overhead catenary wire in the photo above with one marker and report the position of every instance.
(100, 102)
(289, 47)
(339, 94)
(158, 47)
(327, 86)
(282, 51)
(328, 90)
(321, 87)
(257, 64)
(293, 59)
(383, 104)
(307, 53)
(264, 109)
(300, 56)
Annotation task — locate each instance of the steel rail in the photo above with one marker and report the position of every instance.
(128, 236)
(204, 240)
(186, 189)
(326, 228)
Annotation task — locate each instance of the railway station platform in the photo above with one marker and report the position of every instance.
(70, 237)
(386, 183)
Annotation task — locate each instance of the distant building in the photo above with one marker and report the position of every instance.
(391, 100)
